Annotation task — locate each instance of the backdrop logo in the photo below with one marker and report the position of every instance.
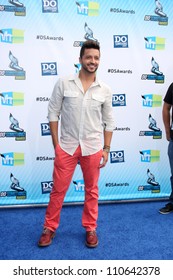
(119, 71)
(49, 68)
(157, 74)
(17, 71)
(12, 98)
(49, 6)
(17, 132)
(114, 184)
(79, 185)
(16, 189)
(154, 129)
(121, 11)
(46, 187)
(89, 35)
(44, 37)
(118, 100)
(44, 158)
(120, 41)
(121, 129)
(160, 16)
(12, 159)
(42, 98)
(45, 129)
(117, 156)
(154, 43)
(87, 8)
(152, 185)
(11, 36)
(152, 100)
(150, 155)
(17, 8)
(77, 67)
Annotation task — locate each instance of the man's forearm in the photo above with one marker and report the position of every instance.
(107, 138)
(54, 132)
(166, 119)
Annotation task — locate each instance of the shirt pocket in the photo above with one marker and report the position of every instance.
(97, 100)
(70, 97)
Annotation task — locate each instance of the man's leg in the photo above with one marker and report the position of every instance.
(170, 155)
(91, 172)
(64, 166)
(168, 208)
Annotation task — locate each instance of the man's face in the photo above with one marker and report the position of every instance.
(90, 60)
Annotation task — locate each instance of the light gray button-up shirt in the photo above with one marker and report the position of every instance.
(83, 116)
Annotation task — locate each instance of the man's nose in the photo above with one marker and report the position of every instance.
(93, 59)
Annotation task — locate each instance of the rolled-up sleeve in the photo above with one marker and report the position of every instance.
(55, 102)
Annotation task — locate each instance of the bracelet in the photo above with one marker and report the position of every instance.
(106, 148)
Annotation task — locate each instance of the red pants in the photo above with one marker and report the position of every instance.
(64, 167)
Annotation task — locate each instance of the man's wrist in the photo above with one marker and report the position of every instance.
(106, 148)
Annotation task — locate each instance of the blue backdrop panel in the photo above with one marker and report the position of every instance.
(40, 42)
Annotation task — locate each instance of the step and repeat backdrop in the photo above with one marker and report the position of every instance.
(40, 42)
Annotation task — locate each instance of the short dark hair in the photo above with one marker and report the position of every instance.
(90, 44)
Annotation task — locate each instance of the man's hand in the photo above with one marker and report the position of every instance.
(168, 137)
(104, 159)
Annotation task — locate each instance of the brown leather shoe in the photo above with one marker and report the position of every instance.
(46, 237)
(91, 239)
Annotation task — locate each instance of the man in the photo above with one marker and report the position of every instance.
(168, 123)
(85, 106)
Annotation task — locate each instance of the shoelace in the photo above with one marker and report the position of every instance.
(46, 231)
(92, 232)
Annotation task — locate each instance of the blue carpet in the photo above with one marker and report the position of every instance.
(127, 231)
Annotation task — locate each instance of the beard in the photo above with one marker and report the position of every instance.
(86, 68)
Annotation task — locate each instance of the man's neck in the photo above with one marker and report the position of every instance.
(86, 79)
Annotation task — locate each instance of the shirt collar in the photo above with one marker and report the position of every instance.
(75, 78)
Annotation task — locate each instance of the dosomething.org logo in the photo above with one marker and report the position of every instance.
(117, 156)
(50, 6)
(87, 8)
(151, 100)
(15, 69)
(12, 98)
(154, 43)
(118, 100)
(160, 17)
(120, 41)
(150, 155)
(46, 187)
(11, 36)
(15, 130)
(156, 75)
(45, 129)
(79, 185)
(49, 68)
(17, 8)
(12, 159)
